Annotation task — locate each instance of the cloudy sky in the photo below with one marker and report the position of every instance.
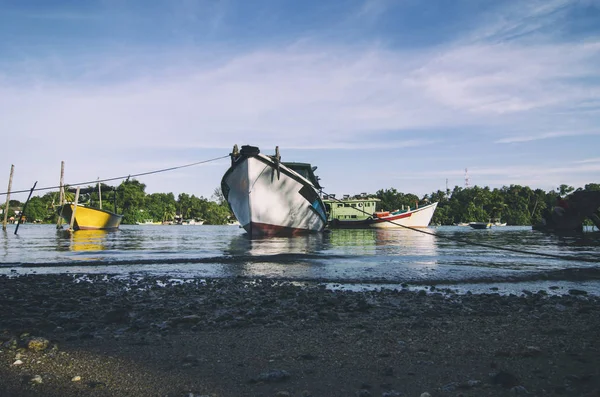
(376, 93)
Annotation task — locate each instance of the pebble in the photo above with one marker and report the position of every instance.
(18, 362)
(76, 378)
(38, 344)
(274, 375)
(391, 393)
(519, 390)
(36, 379)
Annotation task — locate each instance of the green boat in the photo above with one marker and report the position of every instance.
(350, 213)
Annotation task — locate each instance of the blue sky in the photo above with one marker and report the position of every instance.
(376, 93)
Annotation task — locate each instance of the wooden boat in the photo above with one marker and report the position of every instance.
(411, 217)
(187, 222)
(87, 218)
(350, 213)
(273, 198)
(84, 217)
(480, 225)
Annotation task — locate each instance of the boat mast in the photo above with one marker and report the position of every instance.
(61, 197)
(99, 193)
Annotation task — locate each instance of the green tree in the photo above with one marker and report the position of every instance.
(130, 200)
(36, 210)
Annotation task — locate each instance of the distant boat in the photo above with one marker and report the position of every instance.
(191, 222)
(498, 224)
(411, 217)
(462, 224)
(273, 198)
(149, 222)
(233, 222)
(480, 225)
(88, 218)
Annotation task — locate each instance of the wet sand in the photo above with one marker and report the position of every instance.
(151, 336)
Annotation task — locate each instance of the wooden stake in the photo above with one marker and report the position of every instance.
(100, 193)
(74, 209)
(24, 208)
(61, 197)
(12, 169)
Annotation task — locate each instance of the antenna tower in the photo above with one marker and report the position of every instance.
(466, 178)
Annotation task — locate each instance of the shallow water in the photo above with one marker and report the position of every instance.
(367, 257)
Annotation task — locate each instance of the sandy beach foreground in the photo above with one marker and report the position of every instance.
(151, 336)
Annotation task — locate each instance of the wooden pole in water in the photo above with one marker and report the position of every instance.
(12, 169)
(74, 209)
(24, 207)
(100, 193)
(61, 197)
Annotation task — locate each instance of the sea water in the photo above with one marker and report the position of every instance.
(459, 258)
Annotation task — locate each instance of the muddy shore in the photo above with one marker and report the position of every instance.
(63, 335)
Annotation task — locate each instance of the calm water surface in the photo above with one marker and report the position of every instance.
(366, 257)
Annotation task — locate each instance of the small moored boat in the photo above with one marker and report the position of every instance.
(350, 213)
(82, 217)
(480, 225)
(87, 218)
(411, 217)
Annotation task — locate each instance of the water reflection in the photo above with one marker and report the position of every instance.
(87, 240)
(384, 242)
(305, 244)
(406, 242)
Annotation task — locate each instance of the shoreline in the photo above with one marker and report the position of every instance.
(237, 337)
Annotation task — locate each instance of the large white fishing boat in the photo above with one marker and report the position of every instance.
(273, 198)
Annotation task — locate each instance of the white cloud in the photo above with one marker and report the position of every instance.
(546, 135)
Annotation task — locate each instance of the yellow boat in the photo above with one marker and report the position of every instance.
(88, 218)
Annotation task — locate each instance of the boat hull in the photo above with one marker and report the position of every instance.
(350, 224)
(268, 199)
(87, 218)
(419, 217)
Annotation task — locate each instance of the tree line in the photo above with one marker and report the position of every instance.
(131, 200)
(514, 204)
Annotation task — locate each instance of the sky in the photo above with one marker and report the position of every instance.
(378, 94)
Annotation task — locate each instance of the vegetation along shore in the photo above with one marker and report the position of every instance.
(67, 335)
(514, 204)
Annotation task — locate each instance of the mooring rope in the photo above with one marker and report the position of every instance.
(459, 240)
(120, 177)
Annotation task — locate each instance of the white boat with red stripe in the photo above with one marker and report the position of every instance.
(415, 217)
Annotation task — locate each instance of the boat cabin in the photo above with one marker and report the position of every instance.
(305, 170)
